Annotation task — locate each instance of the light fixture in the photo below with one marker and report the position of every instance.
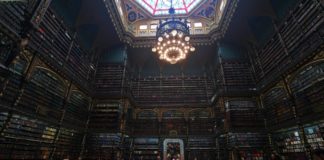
(174, 35)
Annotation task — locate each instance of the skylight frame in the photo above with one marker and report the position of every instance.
(161, 7)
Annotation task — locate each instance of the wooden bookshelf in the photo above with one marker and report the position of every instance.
(278, 108)
(27, 137)
(221, 146)
(288, 142)
(146, 148)
(102, 145)
(201, 127)
(307, 87)
(315, 134)
(237, 75)
(199, 143)
(44, 95)
(243, 115)
(172, 90)
(298, 35)
(247, 140)
(13, 16)
(109, 79)
(105, 116)
(58, 46)
(69, 143)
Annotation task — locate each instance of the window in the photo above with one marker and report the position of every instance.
(198, 24)
(161, 7)
(143, 27)
(153, 26)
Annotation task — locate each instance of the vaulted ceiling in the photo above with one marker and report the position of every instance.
(251, 23)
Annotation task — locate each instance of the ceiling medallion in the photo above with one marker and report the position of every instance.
(173, 39)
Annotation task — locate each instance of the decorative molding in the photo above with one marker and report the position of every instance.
(146, 42)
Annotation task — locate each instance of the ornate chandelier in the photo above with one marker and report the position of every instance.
(173, 39)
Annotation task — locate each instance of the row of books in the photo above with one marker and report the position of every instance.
(57, 45)
(278, 107)
(106, 116)
(243, 115)
(68, 144)
(307, 77)
(201, 143)
(297, 37)
(288, 141)
(77, 109)
(170, 90)
(310, 102)
(247, 140)
(26, 137)
(109, 79)
(102, 145)
(13, 15)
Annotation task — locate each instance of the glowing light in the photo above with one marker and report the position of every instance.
(175, 46)
(187, 38)
(174, 33)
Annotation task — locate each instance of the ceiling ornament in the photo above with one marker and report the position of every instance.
(118, 13)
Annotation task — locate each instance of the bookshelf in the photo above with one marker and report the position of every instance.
(146, 154)
(288, 142)
(307, 77)
(109, 79)
(278, 108)
(105, 116)
(43, 95)
(13, 16)
(146, 148)
(27, 137)
(300, 25)
(102, 145)
(247, 140)
(35, 111)
(221, 146)
(6, 44)
(69, 143)
(307, 87)
(247, 145)
(201, 126)
(59, 47)
(11, 82)
(237, 75)
(315, 134)
(298, 35)
(172, 89)
(201, 154)
(77, 109)
(244, 115)
(198, 143)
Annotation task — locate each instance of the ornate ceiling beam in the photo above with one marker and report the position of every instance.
(215, 34)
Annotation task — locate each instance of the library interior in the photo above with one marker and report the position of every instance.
(162, 79)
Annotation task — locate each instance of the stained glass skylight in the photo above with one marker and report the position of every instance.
(161, 7)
